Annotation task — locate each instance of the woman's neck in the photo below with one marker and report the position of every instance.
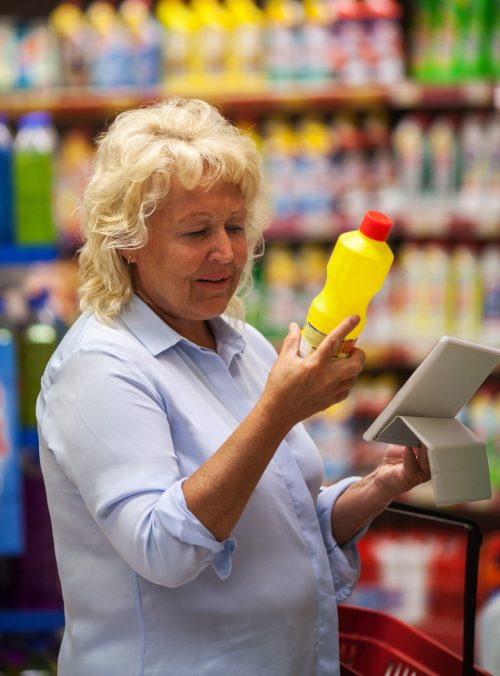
(198, 332)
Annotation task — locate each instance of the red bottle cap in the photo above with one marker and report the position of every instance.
(375, 225)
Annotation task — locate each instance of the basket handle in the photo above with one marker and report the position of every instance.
(474, 541)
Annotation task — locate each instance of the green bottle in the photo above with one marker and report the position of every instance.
(34, 148)
(38, 341)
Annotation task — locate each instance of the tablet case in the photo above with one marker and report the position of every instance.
(424, 411)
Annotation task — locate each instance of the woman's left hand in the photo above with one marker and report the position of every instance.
(403, 468)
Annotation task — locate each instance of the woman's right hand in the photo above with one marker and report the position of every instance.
(297, 388)
(219, 489)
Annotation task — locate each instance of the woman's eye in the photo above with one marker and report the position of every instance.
(195, 234)
(235, 229)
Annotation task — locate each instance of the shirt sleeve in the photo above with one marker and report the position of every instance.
(344, 559)
(107, 427)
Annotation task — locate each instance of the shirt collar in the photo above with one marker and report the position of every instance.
(157, 336)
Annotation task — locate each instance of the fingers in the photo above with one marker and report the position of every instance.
(423, 460)
(290, 345)
(331, 345)
(414, 464)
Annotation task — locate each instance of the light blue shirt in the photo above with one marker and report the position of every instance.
(127, 411)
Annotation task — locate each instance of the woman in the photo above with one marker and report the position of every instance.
(191, 534)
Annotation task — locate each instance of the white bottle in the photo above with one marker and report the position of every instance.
(488, 633)
(490, 273)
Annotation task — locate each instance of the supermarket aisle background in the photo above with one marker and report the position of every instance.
(355, 104)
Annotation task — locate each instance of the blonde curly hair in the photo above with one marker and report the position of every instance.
(134, 163)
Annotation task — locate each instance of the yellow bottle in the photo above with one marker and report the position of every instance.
(356, 271)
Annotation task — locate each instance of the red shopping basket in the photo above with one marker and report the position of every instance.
(373, 643)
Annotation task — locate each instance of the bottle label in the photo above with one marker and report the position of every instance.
(311, 338)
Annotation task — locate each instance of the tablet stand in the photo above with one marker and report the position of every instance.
(426, 409)
(457, 457)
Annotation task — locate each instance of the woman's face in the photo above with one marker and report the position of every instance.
(195, 254)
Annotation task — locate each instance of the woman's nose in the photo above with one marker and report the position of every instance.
(222, 249)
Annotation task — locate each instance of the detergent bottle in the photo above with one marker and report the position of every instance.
(358, 266)
(180, 50)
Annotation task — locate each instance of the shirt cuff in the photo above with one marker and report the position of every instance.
(184, 525)
(344, 559)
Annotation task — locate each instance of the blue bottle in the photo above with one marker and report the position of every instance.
(6, 186)
(11, 532)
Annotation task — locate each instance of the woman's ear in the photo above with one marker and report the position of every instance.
(128, 256)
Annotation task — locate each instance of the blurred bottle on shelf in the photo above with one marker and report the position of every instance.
(315, 66)
(73, 34)
(353, 48)
(489, 264)
(34, 149)
(6, 186)
(331, 431)
(312, 177)
(490, 211)
(411, 166)
(147, 38)
(37, 341)
(441, 187)
(351, 169)
(311, 261)
(73, 168)
(212, 45)
(10, 499)
(179, 50)
(246, 53)
(465, 303)
(279, 149)
(488, 627)
(495, 43)
(280, 275)
(381, 177)
(482, 414)
(453, 41)
(409, 295)
(9, 57)
(385, 36)
(436, 288)
(472, 167)
(110, 47)
(283, 21)
(38, 59)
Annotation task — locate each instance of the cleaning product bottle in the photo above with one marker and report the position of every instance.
(315, 65)
(180, 48)
(282, 48)
(11, 532)
(111, 47)
(6, 219)
(246, 57)
(356, 270)
(73, 35)
(213, 38)
(34, 149)
(37, 341)
(147, 36)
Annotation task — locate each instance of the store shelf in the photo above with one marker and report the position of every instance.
(30, 621)
(22, 255)
(411, 94)
(67, 103)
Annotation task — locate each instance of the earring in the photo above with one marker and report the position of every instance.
(129, 260)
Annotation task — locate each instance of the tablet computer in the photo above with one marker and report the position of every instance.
(439, 387)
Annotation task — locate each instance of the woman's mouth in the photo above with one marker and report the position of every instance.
(215, 282)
